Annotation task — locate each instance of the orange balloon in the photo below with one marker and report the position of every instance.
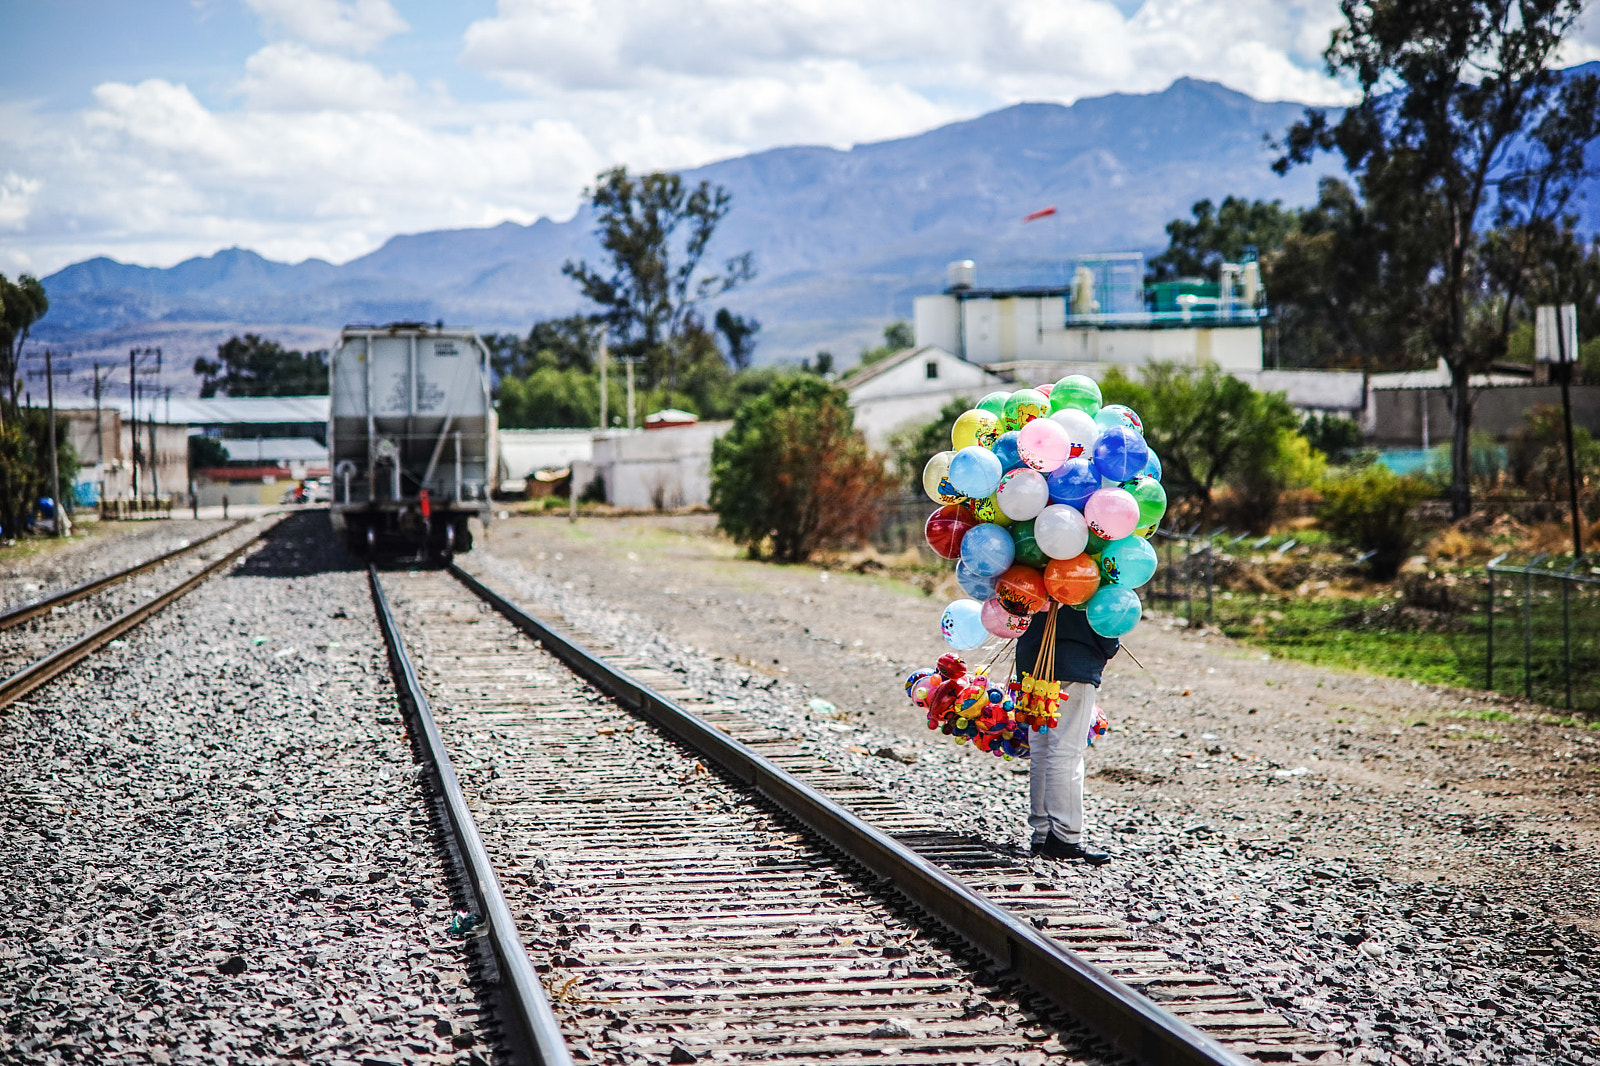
(1021, 590)
(1072, 581)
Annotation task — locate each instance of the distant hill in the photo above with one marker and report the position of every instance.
(843, 239)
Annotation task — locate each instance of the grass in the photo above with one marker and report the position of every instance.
(1320, 631)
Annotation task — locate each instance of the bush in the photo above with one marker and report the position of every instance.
(1337, 438)
(1536, 455)
(1370, 510)
(794, 471)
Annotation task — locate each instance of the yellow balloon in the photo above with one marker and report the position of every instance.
(988, 510)
(974, 427)
(936, 479)
(1148, 531)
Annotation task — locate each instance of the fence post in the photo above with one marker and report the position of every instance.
(1211, 573)
(1488, 657)
(1566, 626)
(1527, 630)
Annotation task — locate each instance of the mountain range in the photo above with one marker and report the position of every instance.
(842, 239)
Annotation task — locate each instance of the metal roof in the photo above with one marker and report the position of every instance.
(221, 410)
(274, 449)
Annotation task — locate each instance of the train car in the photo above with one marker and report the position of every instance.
(411, 438)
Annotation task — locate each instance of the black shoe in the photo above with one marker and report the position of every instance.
(1056, 848)
(1035, 847)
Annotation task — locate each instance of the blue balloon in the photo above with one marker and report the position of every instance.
(1128, 562)
(1113, 611)
(1152, 465)
(975, 472)
(962, 625)
(1115, 414)
(975, 585)
(1073, 482)
(1120, 453)
(1005, 450)
(988, 550)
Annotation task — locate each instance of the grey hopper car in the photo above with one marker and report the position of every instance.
(411, 438)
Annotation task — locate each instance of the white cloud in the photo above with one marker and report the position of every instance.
(16, 198)
(291, 77)
(323, 153)
(356, 24)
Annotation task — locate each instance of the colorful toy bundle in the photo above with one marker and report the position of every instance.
(977, 708)
(1047, 501)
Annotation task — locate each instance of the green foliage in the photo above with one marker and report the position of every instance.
(649, 292)
(1219, 235)
(253, 366)
(1589, 360)
(1463, 123)
(1210, 429)
(25, 466)
(1536, 455)
(1370, 510)
(206, 453)
(22, 303)
(739, 333)
(913, 446)
(1336, 437)
(897, 336)
(795, 473)
(566, 343)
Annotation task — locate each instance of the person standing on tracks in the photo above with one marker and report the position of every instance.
(1055, 766)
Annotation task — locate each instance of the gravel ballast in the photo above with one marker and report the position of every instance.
(217, 848)
(1282, 893)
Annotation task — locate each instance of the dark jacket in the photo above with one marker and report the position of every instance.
(1081, 653)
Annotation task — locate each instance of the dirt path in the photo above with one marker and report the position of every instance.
(1214, 734)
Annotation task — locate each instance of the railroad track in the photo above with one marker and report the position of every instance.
(689, 886)
(43, 638)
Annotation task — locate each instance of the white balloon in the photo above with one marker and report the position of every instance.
(1081, 431)
(1061, 532)
(1022, 494)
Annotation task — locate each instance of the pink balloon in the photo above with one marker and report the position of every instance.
(1001, 622)
(1111, 513)
(1045, 446)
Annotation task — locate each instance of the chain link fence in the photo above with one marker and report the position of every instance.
(1542, 631)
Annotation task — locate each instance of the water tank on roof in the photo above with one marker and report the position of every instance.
(961, 274)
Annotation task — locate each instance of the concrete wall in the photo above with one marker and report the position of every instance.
(1397, 417)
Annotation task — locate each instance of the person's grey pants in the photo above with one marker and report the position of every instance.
(1055, 767)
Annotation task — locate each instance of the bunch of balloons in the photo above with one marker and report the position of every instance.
(1045, 495)
(978, 708)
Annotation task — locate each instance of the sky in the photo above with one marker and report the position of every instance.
(159, 130)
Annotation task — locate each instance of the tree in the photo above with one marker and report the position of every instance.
(1370, 510)
(253, 366)
(897, 337)
(1462, 124)
(206, 453)
(571, 342)
(914, 446)
(1336, 437)
(794, 471)
(1221, 235)
(654, 282)
(25, 466)
(22, 303)
(740, 335)
(1210, 429)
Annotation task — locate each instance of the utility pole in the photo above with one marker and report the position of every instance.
(630, 393)
(55, 468)
(1565, 365)
(99, 435)
(603, 361)
(133, 418)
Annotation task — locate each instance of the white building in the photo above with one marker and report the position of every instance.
(652, 469)
(909, 387)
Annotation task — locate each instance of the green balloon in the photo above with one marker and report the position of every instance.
(1028, 551)
(994, 403)
(1096, 545)
(1078, 392)
(1022, 406)
(1150, 496)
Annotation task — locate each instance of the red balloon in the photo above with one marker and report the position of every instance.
(1072, 581)
(946, 527)
(1021, 590)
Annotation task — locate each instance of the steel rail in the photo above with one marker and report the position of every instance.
(535, 1036)
(67, 656)
(33, 609)
(1116, 1013)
